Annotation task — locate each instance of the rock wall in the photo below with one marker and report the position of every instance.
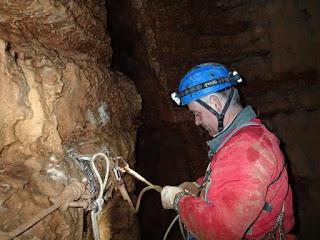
(57, 92)
(273, 44)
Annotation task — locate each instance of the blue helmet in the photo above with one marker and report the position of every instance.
(203, 80)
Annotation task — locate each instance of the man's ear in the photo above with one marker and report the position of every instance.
(215, 103)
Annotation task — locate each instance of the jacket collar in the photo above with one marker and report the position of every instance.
(244, 116)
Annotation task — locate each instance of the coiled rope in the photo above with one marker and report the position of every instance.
(77, 189)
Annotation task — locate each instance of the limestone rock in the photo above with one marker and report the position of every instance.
(57, 92)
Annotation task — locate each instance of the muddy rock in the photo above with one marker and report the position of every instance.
(58, 92)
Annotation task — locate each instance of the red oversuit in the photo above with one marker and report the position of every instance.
(246, 173)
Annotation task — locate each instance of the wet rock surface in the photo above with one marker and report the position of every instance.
(72, 28)
(58, 92)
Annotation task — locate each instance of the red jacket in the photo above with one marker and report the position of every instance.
(246, 172)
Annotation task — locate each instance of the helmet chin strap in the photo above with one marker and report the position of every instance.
(219, 116)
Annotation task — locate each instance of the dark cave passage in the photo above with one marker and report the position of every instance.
(162, 150)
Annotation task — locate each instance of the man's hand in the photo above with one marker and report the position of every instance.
(167, 196)
(191, 188)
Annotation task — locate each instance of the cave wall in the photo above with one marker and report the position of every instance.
(273, 44)
(57, 92)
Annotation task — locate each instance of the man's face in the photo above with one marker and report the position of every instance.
(204, 118)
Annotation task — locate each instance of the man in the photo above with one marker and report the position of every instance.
(245, 192)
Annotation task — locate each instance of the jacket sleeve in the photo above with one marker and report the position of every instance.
(240, 174)
(200, 180)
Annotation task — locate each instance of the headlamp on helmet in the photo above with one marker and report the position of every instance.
(203, 80)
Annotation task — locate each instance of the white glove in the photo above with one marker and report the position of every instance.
(167, 196)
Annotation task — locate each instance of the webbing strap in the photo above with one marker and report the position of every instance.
(272, 235)
(267, 206)
(226, 106)
(220, 116)
(210, 109)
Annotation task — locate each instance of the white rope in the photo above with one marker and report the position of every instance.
(180, 225)
(98, 202)
(170, 226)
(95, 227)
(127, 169)
(106, 176)
(182, 229)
